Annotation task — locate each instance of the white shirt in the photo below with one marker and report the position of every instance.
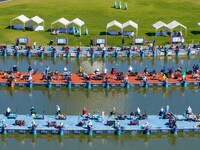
(90, 123)
(30, 78)
(8, 110)
(144, 78)
(57, 108)
(105, 70)
(189, 110)
(138, 110)
(161, 109)
(130, 69)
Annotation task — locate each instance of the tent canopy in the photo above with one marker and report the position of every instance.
(37, 19)
(62, 21)
(159, 24)
(21, 18)
(199, 24)
(130, 23)
(114, 23)
(78, 22)
(175, 24)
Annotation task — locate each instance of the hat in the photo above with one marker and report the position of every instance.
(65, 69)
(97, 69)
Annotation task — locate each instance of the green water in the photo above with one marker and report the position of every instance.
(21, 99)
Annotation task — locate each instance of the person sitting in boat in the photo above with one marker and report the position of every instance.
(97, 72)
(145, 126)
(84, 111)
(118, 124)
(61, 125)
(30, 70)
(80, 71)
(15, 69)
(102, 116)
(47, 71)
(65, 73)
(125, 78)
(33, 124)
(33, 111)
(113, 112)
(146, 70)
(62, 116)
(138, 112)
(163, 70)
(189, 110)
(162, 112)
(130, 69)
(113, 72)
(20, 75)
(58, 111)
(8, 111)
(132, 115)
(105, 70)
(30, 79)
(179, 69)
(88, 116)
(144, 79)
(89, 124)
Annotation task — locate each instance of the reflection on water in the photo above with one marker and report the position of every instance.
(99, 141)
(89, 65)
(73, 100)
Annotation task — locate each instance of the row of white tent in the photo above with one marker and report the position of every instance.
(122, 26)
(40, 21)
(25, 19)
(170, 26)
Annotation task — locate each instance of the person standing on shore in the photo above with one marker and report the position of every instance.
(34, 44)
(123, 41)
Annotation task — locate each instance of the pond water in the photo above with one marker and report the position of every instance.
(72, 101)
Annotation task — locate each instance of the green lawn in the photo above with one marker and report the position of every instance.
(96, 14)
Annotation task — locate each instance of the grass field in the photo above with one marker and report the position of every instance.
(96, 14)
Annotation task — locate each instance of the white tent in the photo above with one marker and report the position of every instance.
(63, 21)
(37, 20)
(130, 23)
(160, 24)
(114, 23)
(21, 18)
(199, 24)
(78, 22)
(175, 24)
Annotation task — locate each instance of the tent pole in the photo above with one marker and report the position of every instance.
(106, 38)
(10, 25)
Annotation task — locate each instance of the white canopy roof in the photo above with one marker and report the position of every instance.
(130, 23)
(22, 18)
(114, 23)
(159, 24)
(199, 24)
(175, 24)
(37, 19)
(78, 22)
(63, 21)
